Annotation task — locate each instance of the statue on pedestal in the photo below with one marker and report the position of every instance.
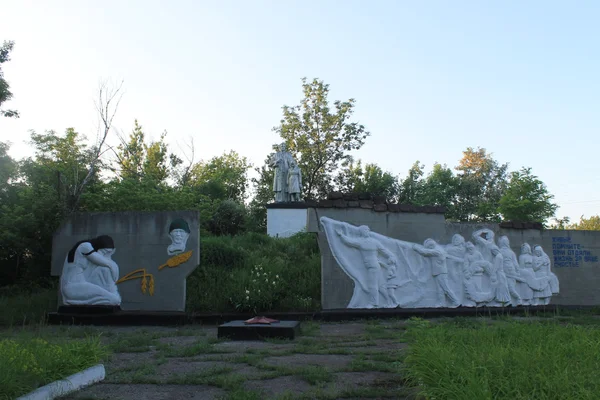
(287, 181)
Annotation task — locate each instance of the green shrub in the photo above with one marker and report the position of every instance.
(230, 264)
(27, 364)
(229, 218)
(221, 252)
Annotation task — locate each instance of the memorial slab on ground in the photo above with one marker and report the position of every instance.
(135, 261)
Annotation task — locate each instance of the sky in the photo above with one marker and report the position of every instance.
(430, 78)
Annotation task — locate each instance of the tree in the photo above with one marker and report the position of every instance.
(482, 182)
(440, 188)
(411, 187)
(5, 93)
(223, 177)
(370, 179)
(319, 138)
(561, 223)
(587, 224)
(138, 160)
(526, 198)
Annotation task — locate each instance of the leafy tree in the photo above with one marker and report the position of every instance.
(411, 187)
(5, 93)
(561, 223)
(318, 137)
(587, 224)
(441, 188)
(8, 167)
(482, 181)
(526, 198)
(61, 162)
(229, 218)
(222, 177)
(370, 179)
(138, 160)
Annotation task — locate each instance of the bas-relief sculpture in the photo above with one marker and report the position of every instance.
(90, 276)
(287, 181)
(390, 273)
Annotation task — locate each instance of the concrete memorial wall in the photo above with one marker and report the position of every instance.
(132, 260)
(377, 256)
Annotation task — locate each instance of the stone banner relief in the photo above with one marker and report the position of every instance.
(481, 271)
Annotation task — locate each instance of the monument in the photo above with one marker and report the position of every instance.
(130, 261)
(287, 215)
(390, 273)
(287, 180)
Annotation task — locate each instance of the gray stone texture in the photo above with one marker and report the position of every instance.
(141, 240)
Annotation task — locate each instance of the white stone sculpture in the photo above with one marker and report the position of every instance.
(391, 273)
(541, 266)
(439, 269)
(294, 181)
(89, 274)
(283, 163)
(179, 232)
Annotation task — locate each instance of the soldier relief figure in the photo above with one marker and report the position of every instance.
(481, 272)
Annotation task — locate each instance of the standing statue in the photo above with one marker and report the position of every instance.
(294, 181)
(287, 181)
(281, 163)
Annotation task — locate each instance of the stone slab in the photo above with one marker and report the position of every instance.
(142, 242)
(238, 330)
(86, 310)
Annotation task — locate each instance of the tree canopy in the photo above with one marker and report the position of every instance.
(5, 93)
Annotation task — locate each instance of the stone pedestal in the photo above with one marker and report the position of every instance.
(286, 219)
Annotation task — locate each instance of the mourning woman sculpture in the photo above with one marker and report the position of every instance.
(89, 274)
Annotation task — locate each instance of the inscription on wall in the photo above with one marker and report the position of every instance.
(568, 254)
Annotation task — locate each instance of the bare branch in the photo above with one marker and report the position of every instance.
(106, 97)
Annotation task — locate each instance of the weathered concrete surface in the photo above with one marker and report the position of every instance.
(141, 241)
(578, 269)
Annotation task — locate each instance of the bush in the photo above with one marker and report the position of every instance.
(224, 276)
(221, 252)
(228, 219)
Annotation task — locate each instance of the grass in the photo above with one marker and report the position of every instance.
(505, 360)
(314, 374)
(27, 306)
(26, 364)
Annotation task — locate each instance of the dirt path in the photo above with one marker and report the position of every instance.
(328, 361)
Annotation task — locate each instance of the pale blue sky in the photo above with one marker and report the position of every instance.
(430, 77)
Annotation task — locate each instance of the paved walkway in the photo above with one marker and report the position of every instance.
(328, 361)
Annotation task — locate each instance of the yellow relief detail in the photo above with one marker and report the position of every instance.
(147, 280)
(177, 260)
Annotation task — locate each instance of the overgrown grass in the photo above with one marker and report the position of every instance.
(505, 360)
(225, 273)
(26, 364)
(22, 306)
